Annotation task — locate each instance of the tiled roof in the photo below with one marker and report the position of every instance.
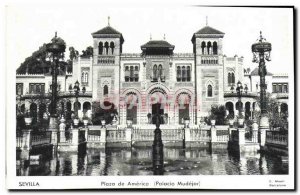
(157, 44)
(107, 30)
(208, 30)
(255, 72)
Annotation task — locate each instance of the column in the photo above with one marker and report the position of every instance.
(241, 136)
(213, 132)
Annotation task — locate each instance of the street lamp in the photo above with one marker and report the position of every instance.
(76, 91)
(55, 53)
(239, 91)
(262, 51)
(157, 147)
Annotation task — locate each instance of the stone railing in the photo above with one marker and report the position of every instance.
(115, 135)
(199, 134)
(40, 138)
(276, 138)
(94, 135)
(168, 134)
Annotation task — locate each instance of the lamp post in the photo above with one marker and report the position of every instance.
(55, 53)
(239, 91)
(261, 51)
(157, 147)
(76, 92)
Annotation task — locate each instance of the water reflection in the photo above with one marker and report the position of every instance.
(138, 161)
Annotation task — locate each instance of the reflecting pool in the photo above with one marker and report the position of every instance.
(138, 161)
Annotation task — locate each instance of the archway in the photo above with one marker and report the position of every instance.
(33, 112)
(183, 102)
(284, 108)
(157, 102)
(229, 107)
(42, 110)
(131, 107)
(68, 110)
(247, 110)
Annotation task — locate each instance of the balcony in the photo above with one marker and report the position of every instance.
(106, 60)
(234, 94)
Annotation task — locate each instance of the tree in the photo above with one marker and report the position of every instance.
(73, 53)
(276, 119)
(88, 52)
(217, 112)
(105, 110)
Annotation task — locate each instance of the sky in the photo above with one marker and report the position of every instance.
(28, 27)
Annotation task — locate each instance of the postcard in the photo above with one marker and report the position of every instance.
(150, 97)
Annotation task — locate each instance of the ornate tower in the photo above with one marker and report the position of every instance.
(106, 64)
(207, 49)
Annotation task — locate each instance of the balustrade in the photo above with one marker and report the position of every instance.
(40, 138)
(277, 138)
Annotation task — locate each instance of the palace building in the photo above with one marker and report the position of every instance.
(156, 80)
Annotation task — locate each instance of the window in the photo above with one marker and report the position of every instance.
(215, 48)
(209, 91)
(131, 73)
(127, 74)
(37, 88)
(188, 74)
(155, 75)
(178, 73)
(274, 88)
(285, 88)
(183, 73)
(112, 47)
(106, 47)
(19, 89)
(231, 78)
(160, 72)
(203, 45)
(136, 73)
(105, 90)
(209, 48)
(85, 77)
(280, 88)
(100, 48)
(183, 78)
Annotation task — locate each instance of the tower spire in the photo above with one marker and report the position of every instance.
(108, 20)
(164, 36)
(206, 21)
(150, 37)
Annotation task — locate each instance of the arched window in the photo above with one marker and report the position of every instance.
(188, 73)
(136, 73)
(100, 48)
(106, 47)
(203, 45)
(86, 77)
(215, 48)
(82, 77)
(232, 78)
(155, 72)
(131, 73)
(229, 79)
(127, 74)
(178, 73)
(112, 47)
(105, 90)
(183, 73)
(209, 47)
(160, 71)
(209, 91)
